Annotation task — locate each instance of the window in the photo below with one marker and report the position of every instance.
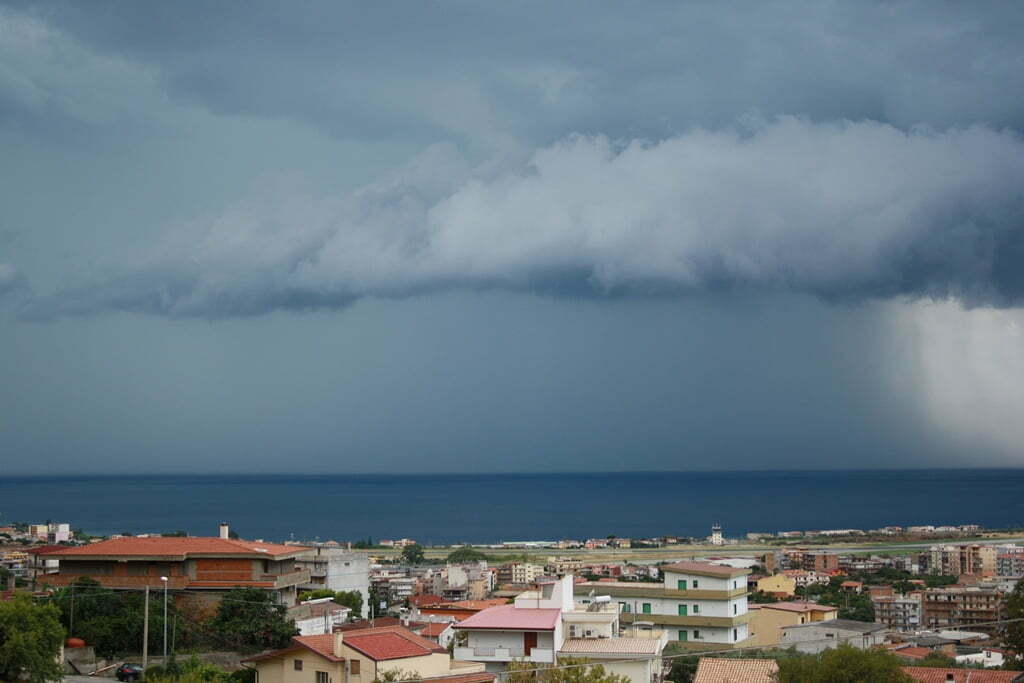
(735, 634)
(682, 635)
(695, 583)
(322, 677)
(625, 607)
(298, 665)
(696, 609)
(647, 608)
(696, 634)
(734, 609)
(353, 667)
(682, 610)
(681, 584)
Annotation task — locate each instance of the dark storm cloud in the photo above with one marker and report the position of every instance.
(534, 72)
(839, 211)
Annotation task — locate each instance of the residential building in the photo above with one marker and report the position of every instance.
(778, 585)
(816, 637)
(362, 656)
(208, 565)
(989, 658)
(804, 578)
(336, 569)
(317, 617)
(818, 561)
(954, 560)
(711, 670)
(545, 625)
(700, 604)
(452, 611)
(768, 619)
(1010, 564)
(899, 612)
(956, 606)
(519, 572)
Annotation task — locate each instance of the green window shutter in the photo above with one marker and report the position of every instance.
(682, 610)
(682, 635)
(696, 609)
(647, 608)
(681, 584)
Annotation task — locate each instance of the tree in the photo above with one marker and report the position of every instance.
(413, 554)
(567, 671)
(1014, 638)
(30, 640)
(465, 555)
(351, 599)
(683, 669)
(844, 664)
(250, 618)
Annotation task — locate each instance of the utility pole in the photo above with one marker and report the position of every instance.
(145, 632)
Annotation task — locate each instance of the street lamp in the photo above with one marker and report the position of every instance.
(164, 579)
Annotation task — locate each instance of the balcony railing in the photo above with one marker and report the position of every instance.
(503, 654)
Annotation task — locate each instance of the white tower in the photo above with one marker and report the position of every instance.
(716, 535)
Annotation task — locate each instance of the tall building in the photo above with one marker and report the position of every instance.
(699, 604)
(900, 612)
(716, 535)
(336, 569)
(956, 606)
(954, 560)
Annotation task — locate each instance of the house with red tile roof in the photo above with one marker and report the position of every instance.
(362, 656)
(714, 670)
(939, 675)
(194, 564)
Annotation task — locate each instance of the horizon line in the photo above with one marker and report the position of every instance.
(310, 475)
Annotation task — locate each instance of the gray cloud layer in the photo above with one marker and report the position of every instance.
(838, 210)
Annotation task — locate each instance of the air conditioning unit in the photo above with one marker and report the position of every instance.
(589, 633)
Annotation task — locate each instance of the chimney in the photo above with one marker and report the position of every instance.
(338, 636)
(225, 530)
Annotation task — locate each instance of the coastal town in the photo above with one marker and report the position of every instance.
(936, 599)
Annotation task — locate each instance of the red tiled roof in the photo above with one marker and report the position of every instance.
(474, 604)
(392, 642)
(710, 670)
(177, 547)
(428, 599)
(323, 645)
(515, 618)
(45, 549)
(938, 675)
(704, 568)
(481, 677)
(366, 624)
(435, 628)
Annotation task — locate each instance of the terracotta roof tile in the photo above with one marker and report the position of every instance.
(711, 670)
(323, 645)
(936, 675)
(177, 547)
(625, 646)
(436, 628)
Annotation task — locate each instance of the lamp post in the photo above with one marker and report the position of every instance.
(164, 579)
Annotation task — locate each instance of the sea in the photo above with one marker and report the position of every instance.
(496, 508)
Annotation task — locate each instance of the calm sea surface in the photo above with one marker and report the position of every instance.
(492, 508)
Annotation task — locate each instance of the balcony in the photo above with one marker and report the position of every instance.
(503, 654)
(689, 620)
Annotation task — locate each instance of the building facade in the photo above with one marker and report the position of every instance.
(336, 569)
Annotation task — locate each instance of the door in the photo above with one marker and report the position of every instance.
(682, 635)
(529, 642)
(681, 584)
(682, 610)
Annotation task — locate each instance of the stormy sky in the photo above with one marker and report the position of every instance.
(477, 237)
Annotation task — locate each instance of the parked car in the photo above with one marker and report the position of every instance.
(129, 672)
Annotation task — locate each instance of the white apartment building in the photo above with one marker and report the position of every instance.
(698, 603)
(336, 569)
(545, 624)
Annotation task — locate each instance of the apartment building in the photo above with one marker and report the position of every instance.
(336, 569)
(961, 606)
(545, 625)
(210, 565)
(899, 612)
(519, 572)
(699, 604)
(1010, 564)
(954, 560)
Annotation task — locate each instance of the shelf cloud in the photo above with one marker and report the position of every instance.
(841, 210)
